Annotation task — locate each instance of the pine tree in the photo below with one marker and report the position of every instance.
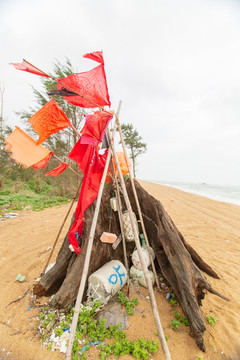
(134, 142)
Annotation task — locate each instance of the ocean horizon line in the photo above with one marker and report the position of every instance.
(223, 193)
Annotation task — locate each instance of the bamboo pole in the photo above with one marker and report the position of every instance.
(120, 217)
(88, 254)
(69, 167)
(74, 129)
(137, 201)
(143, 264)
(60, 230)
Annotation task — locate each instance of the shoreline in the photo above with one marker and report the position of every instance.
(203, 189)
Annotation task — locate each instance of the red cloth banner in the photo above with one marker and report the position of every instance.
(58, 170)
(92, 85)
(48, 120)
(80, 154)
(96, 56)
(43, 163)
(89, 191)
(25, 66)
(95, 127)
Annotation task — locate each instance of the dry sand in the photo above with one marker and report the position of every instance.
(211, 227)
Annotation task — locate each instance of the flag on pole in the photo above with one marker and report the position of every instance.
(49, 120)
(91, 85)
(95, 127)
(24, 149)
(123, 166)
(43, 163)
(25, 66)
(58, 170)
(89, 191)
(81, 154)
(96, 56)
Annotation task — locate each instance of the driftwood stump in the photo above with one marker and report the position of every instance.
(178, 261)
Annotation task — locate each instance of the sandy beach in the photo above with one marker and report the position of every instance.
(212, 228)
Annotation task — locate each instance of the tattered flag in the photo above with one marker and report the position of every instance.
(63, 92)
(25, 66)
(24, 149)
(90, 85)
(95, 127)
(43, 163)
(58, 170)
(96, 56)
(49, 120)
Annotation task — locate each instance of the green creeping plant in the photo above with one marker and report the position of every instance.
(129, 304)
(211, 319)
(91, 330)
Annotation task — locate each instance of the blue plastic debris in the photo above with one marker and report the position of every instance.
(29, 308)
(92, 343)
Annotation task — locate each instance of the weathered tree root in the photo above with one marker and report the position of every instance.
(178, 261)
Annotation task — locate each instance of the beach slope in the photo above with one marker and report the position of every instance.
(212, 228)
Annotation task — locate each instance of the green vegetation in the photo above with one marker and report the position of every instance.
(129, 304)
(134, 143)
(178, 320)
(173, 300)
(90, 330)
(166, 336)
(211, 319)
(9, 202)
(28, 184)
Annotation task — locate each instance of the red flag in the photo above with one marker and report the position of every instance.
(58, 170)
(89, 191)
(25, 66)
(43, 163)
(81, 153)
(49, 120)
(96, 56)
(92, 85)
(95, 127)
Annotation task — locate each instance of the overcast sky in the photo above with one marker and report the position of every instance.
(175, 64)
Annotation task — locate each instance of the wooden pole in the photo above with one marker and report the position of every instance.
(88, 254)
(143, 264)
(74, 129)
(120, 217)
(71, 169)
(137, 201)
(60, 230)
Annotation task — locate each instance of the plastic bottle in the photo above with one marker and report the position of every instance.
(135, 257)
(138, 274)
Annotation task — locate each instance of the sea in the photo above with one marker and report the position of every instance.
(224, 193)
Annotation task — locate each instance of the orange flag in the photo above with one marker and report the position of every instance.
(123, 166)
(24, 149)
(49, 120)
